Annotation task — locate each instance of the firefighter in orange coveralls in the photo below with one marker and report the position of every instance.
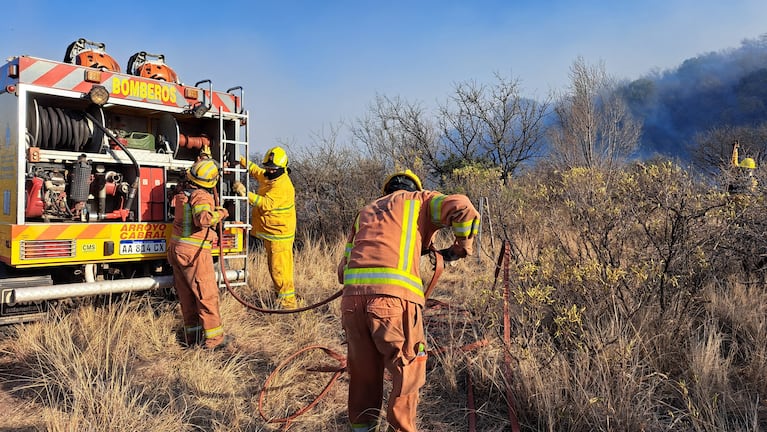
(383, 294)
(195, 218)
(274, 219)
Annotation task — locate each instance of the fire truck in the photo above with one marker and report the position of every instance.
(89, 159)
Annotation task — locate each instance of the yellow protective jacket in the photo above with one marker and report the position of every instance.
(274, 206)
(744, 180)
(384, 247)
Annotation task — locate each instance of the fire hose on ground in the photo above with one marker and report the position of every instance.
(503, 260)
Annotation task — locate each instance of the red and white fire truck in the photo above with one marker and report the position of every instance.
(89, 156)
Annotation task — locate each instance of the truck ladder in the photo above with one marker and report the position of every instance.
(240, 217)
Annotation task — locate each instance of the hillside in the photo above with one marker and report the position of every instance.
(715, 89)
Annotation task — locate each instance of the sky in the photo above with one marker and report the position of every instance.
(308, 66)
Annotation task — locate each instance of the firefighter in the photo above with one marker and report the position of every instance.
(189, 253)
(274, 219)
(744, 172)
(383, 295)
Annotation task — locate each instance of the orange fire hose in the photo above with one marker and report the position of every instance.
(337, 371)
(244, 302)
(470, 403)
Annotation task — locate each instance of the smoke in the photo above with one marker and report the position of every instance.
(725, 88)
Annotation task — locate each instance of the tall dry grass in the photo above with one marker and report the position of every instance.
(637, 299)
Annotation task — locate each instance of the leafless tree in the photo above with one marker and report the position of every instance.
(398, 134)
(332, 182)
(711, 151)
(594, 127)
(492, 125)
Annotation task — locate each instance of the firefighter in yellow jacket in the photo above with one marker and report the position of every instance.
(189, 253)
(744, 180)
(383, 294)
(274, 219)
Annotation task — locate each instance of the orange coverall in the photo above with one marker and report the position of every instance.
(383, 298)
(274, 221)
(195, 217)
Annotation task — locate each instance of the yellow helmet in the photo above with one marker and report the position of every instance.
(403, 180)
(275, 157)
(747, 163)
(203, 173)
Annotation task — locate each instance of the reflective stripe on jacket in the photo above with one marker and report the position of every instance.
(194, 214)
(384, 247)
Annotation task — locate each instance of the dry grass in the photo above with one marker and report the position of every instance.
(117, 366)
(635, 307)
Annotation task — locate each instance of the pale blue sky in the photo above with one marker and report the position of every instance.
(306, 65)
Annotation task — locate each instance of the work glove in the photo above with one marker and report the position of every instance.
(238, 188)
(448, 255)
(205, 152)
(244, 162)
(453, 253)
(223, 213)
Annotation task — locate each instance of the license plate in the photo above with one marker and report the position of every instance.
(134, 247)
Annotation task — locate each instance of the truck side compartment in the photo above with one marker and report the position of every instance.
(89, 160)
